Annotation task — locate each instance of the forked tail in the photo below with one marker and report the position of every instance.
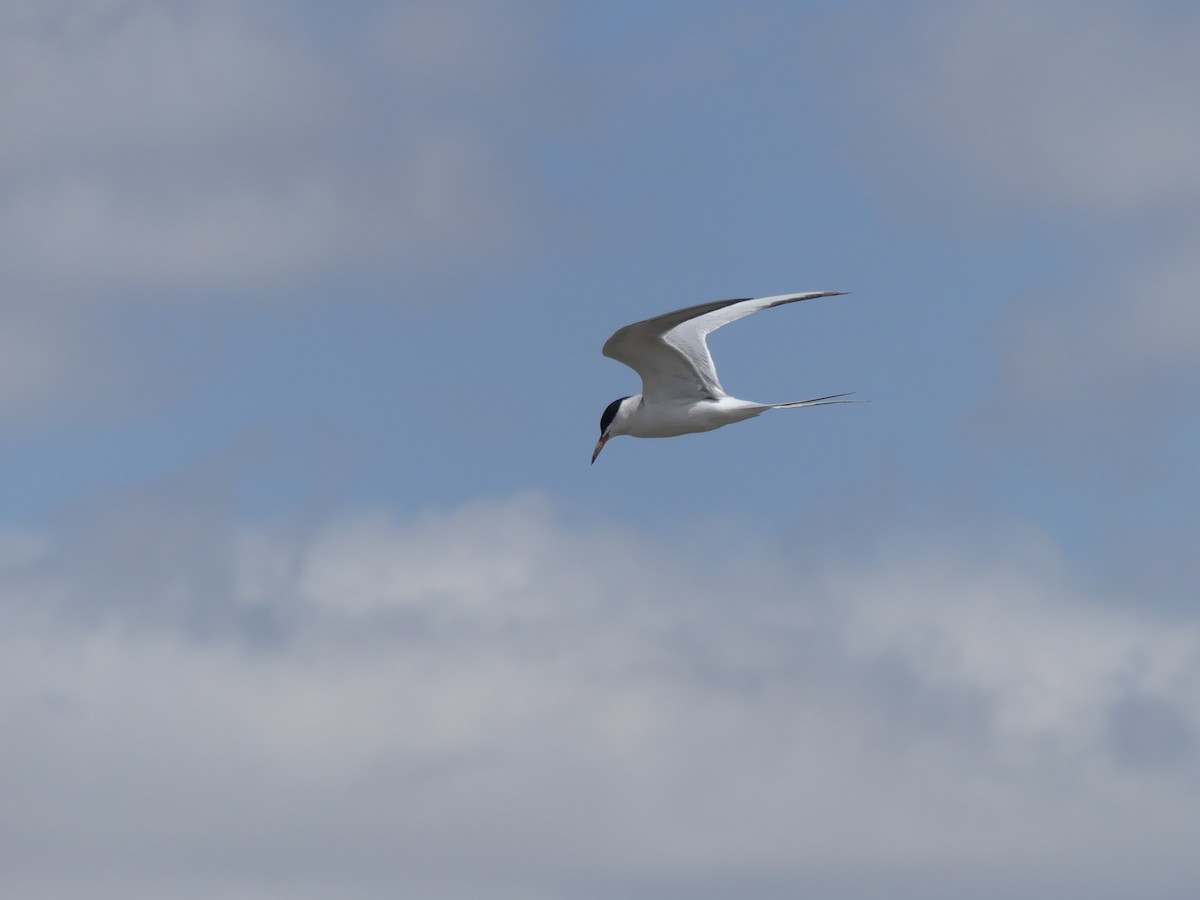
(816, 401)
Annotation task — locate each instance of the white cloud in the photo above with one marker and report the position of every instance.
(169, 145)
(1106, 347)
(51, 363)
(184, 152)
(1075, 120)
(30, 362)
(492, 701)
(1059, 105)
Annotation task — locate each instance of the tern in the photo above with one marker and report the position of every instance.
(681, 393)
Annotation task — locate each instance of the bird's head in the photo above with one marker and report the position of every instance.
(613, 421)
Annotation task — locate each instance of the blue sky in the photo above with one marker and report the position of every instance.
(307, 586)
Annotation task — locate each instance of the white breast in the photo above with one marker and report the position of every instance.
(670, 419)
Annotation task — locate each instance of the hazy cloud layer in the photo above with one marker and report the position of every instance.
(1066, 105)
(493, 702)
(1121, 344)
(217, 146)
(182, 153)
(1075, 121)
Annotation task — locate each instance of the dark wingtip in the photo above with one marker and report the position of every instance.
(809, 295)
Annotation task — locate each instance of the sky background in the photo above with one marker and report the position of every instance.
(307, 589)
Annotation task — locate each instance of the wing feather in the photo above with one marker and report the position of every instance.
(670, 352)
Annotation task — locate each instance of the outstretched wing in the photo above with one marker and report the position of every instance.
(670, 352)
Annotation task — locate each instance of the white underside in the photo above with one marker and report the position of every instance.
(657, 420)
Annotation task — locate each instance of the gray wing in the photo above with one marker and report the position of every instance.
(670, 352)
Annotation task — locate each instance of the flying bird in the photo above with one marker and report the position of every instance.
(680, 390)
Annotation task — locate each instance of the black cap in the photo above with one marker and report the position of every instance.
(610, 413)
